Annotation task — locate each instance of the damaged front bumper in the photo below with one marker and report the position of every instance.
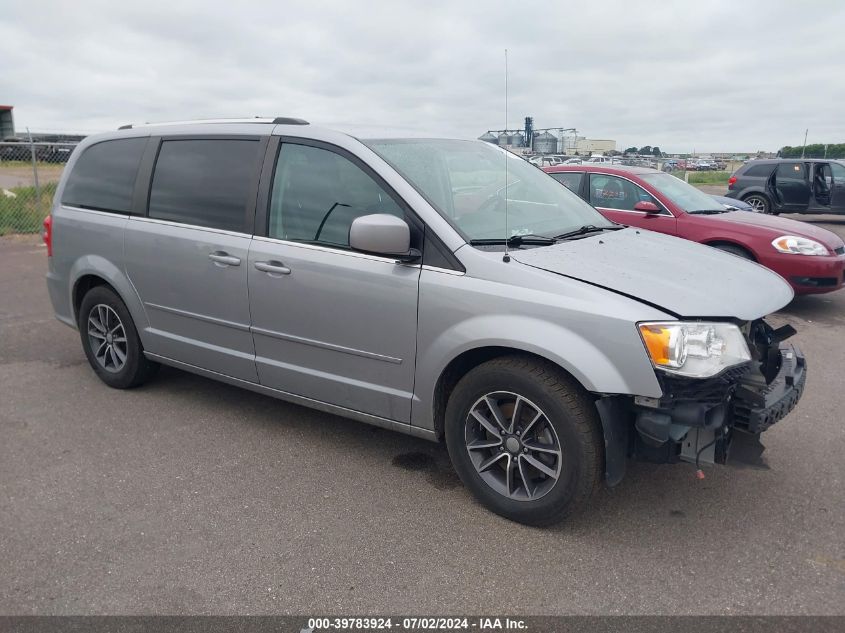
(699, 420)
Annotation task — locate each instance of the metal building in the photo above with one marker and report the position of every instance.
(489, 138)
(7, 122)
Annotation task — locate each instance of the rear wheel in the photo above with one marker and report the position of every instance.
(760, 203)
(525, 439)
(111, 342)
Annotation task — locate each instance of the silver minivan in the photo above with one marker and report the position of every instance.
(442, 288)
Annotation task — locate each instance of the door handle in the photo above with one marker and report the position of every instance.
(272, 267)
(222, 258)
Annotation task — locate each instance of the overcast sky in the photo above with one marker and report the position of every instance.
(711, 75)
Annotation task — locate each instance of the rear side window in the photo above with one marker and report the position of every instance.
(570, 179)
(103, 178)
(204, 182)
(759, 171)
(790, 171)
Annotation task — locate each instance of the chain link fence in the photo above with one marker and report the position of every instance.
(29, 173)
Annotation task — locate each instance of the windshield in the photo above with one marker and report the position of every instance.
(681, 193)
(465, 182)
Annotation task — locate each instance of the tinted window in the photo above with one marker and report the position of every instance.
(571, 179)
(790, 171)
(204, 182)
(318, 193)
(104, 176)
(838, 172)
(759, 171)
(610, 192)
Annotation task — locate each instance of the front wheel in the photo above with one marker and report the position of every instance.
(735, 250)
(525, 439)
(111, 342)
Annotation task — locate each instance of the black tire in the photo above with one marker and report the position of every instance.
(760, 202)
(570, 413)
(135, 369)
(733, 249)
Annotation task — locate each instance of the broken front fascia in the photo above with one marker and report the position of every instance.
(699, 419)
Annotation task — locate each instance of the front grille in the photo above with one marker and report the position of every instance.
(708, 390)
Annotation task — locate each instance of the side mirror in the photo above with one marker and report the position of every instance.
(382, 234)
(647, 207)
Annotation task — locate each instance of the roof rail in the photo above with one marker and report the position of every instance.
(275, 121)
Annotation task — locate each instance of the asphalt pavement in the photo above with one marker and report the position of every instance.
(188, 496)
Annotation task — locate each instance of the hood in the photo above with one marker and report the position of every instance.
(678, 276)
(781, 226)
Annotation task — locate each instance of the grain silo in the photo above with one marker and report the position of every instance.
(545, 143)
(489, 138)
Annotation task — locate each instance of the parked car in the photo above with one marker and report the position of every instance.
(734, 205)
(810, 258)
(445, 289)
(790, 185)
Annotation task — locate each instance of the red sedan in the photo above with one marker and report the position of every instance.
(810, 258)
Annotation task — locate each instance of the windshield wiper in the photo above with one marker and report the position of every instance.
(516, 240)
(587, 228)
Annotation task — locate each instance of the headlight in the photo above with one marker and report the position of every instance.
(798, 245)
(697, 350)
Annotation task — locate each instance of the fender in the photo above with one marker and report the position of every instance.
(101, 267)
(589, 365)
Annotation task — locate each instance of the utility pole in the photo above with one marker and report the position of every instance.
(805, 142)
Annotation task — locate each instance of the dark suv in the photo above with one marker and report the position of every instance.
(791, 185)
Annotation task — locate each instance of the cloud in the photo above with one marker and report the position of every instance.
(715, 76)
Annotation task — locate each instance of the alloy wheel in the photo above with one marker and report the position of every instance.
(757, 203)
(513, 446)
(107, 337)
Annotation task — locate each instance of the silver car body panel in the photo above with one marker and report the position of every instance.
(688, 280)
(198, 308)
(339, 327)
(368, 337)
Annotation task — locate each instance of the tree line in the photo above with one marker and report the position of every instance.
(816, 150)
(645, 149)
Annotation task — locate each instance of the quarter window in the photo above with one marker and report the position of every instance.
(610, 192)
(318, 193)
(758, 171)
(103, 178)
(204, 182)
(569, 179)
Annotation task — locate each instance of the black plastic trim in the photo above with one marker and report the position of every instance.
(284, 120)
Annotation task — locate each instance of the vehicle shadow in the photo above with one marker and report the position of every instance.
(651, 498)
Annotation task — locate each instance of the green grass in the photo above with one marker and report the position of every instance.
(705, 177)
(22, 213)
